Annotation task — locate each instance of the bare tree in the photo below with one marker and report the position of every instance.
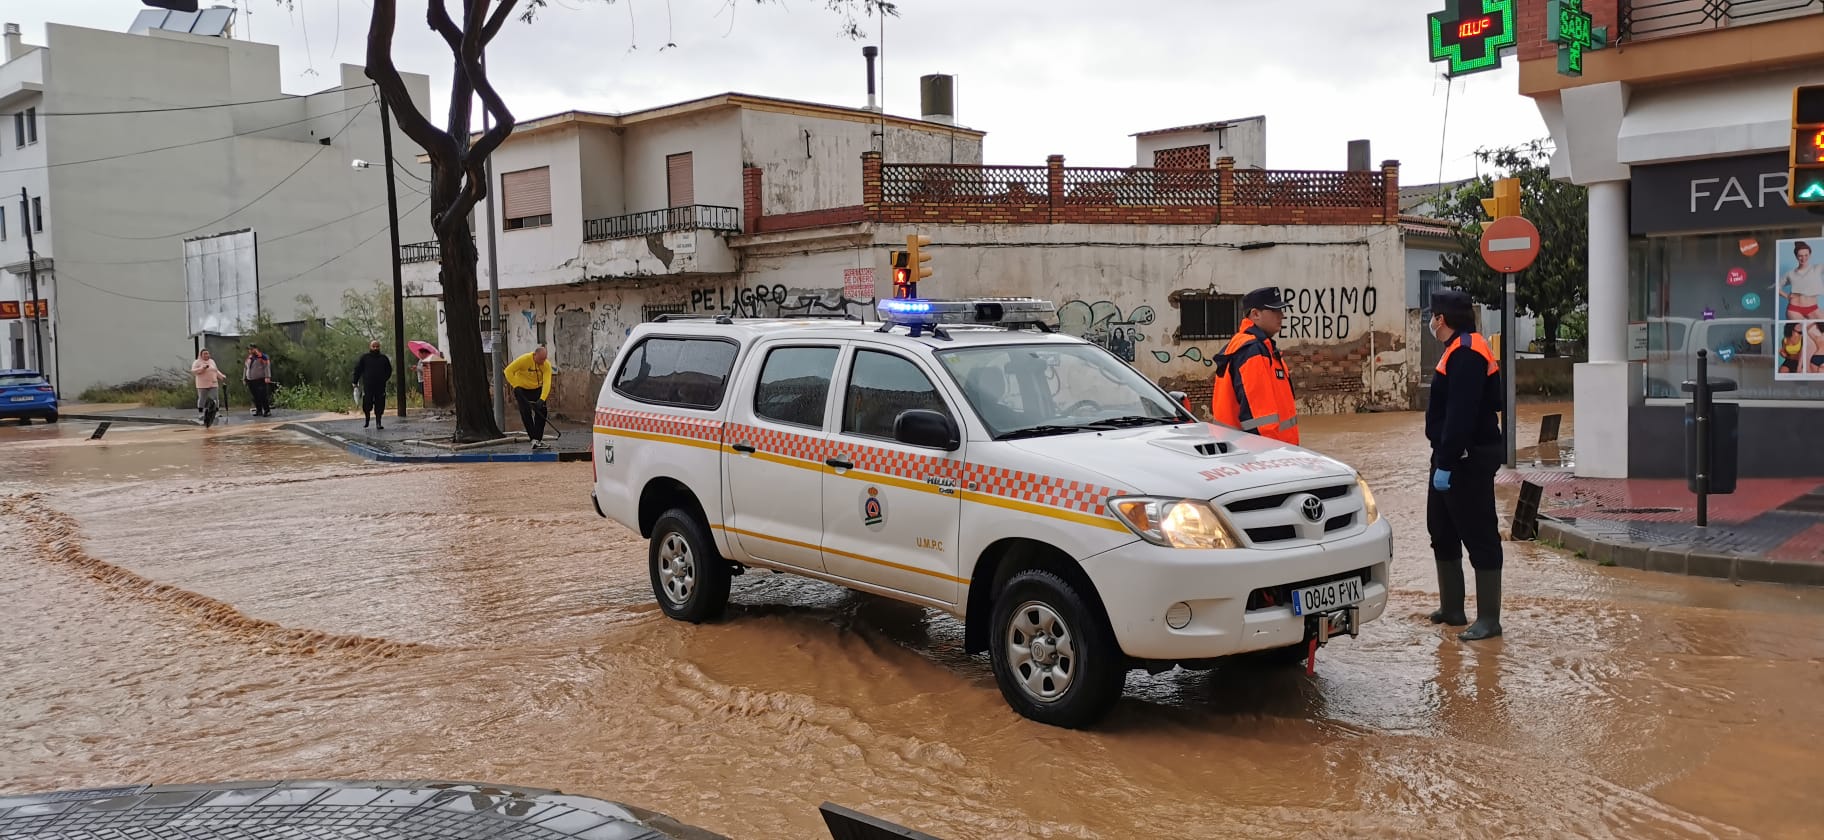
(458, 180)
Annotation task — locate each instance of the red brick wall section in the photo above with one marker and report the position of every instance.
(870, 181)
(811, 219)
(1530, 26)
(1183, 157)
(751, 207)
(1390, 182)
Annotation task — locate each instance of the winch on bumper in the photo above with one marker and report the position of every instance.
(1177, 605)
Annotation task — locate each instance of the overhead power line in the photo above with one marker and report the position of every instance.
(202, 107)
(266, 241)
(188, 143)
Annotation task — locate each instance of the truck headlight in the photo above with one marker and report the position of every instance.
(1373, 510)
(1173, 523)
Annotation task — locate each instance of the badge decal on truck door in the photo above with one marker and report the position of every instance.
(873, 509)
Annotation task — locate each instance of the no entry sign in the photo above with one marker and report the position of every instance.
(1510, 244)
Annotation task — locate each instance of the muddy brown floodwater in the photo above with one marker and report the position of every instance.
(184, 605)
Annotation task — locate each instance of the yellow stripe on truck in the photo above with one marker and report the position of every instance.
(863, 558)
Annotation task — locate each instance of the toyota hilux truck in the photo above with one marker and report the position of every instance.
(964, 456)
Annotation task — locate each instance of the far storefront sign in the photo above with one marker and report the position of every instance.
(1718, 194)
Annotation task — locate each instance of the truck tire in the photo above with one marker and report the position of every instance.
(1054, 657)
(689, 577)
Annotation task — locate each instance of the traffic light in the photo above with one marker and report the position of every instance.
(1506, 201)
(915, 244)
(903, 285)
(1805, 174)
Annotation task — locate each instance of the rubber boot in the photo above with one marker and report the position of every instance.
(1450, 595)
(1488, 607)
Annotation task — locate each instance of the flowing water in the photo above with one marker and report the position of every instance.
(187, 605)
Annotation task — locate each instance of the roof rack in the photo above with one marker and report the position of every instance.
(720, 318)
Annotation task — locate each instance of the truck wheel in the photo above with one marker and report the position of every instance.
(1053, 656)
(689, 578)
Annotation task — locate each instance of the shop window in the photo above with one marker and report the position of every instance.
(1740, 296)
(1208, 316)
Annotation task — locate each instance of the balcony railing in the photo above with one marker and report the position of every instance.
(418, 252)
(689, 217)
(1643, 19)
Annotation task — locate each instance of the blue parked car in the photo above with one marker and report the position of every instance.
(25, 394)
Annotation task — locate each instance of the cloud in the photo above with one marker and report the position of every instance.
(1071, 77)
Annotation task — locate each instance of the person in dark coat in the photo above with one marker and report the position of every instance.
(372, 371)
(1463, 423)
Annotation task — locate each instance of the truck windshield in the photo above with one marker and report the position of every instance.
(1025, 390)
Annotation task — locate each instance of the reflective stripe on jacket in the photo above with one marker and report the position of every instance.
(1253, 388)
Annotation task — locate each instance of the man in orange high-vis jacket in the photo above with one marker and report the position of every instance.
(1468, 447)
(1252, 388)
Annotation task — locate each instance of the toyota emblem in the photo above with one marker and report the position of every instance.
(1314, 509)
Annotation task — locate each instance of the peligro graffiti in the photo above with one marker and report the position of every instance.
(1324, 314)
(740, 300)
(1102, 323)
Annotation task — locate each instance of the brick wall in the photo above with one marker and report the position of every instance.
(1530, 26)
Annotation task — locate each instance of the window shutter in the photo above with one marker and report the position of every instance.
(679, 180)
(526, 193)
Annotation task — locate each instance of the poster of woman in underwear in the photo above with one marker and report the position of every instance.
(1799, 308)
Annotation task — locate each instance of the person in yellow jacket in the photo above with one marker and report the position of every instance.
(530, 378)
(1252, 389)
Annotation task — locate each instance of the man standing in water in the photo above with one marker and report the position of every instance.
(372, 371)
(1463, 423)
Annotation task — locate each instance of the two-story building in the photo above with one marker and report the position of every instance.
(754, 205)
(1678, 125)
(138, 150)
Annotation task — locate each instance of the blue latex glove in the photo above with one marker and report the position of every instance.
(1440, 480)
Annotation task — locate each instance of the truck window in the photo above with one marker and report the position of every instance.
(687, 372)
(795, 385)
(882, 385)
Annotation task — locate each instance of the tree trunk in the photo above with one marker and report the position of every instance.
(1550, 342)
(468, 376)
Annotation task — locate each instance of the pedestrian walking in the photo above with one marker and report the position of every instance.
(1252, 389)
(1463, 423)
(257, 373)
(372, 371)
(209, 379)
(530, 377)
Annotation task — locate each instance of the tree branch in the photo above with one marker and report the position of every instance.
(385, 76)
(438, 16)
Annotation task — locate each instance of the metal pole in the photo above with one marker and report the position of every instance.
(500, 384)
(1508, 355)
(31, 258)
(392, 226)
(1703, 438)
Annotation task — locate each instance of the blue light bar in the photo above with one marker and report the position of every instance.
(907, 307)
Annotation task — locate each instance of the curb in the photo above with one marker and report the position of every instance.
(1680, 559)
(128, 418)
(375, 454)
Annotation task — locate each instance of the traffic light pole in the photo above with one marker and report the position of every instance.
(31, 258)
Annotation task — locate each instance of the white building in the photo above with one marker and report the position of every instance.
(1680, 128)
(129, 143)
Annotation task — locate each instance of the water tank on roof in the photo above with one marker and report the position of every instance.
(937, 98)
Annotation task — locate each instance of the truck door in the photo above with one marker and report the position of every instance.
(778, 431)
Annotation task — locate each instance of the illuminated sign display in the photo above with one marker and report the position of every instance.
(1471, 34)
(1573, 30)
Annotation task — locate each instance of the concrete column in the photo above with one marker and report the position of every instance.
(1608, 384)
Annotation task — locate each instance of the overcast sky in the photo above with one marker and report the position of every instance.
(1070, 77)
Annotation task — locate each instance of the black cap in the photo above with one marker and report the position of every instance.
(1267, 298)
(1452, 302)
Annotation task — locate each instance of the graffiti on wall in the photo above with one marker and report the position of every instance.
(751, 301)
(1103, 323)
(1330, 314)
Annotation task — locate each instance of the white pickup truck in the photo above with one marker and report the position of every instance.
(963, 456)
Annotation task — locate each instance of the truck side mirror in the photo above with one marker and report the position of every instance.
(926, 428)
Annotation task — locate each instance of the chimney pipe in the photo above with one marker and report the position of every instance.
(869, 53)
(15, 42)
(1359, 156)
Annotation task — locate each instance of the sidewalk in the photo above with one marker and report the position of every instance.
(1769, 529)
(425, 436)
(135, 413)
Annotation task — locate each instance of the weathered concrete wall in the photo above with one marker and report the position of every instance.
(714, 141)
(813, 163)
(528, 256)
(1346, 338)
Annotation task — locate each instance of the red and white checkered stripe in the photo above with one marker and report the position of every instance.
(660, 424)
(784, 444)
(1039, 489)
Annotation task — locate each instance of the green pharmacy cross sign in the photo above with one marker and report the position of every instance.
(1471, 34)
(1569, 26)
